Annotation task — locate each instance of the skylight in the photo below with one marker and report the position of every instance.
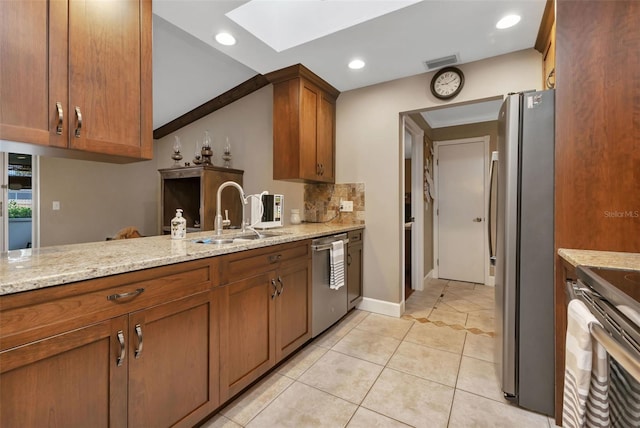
(283, 24)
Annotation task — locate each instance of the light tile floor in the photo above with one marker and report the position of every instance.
(431, 368)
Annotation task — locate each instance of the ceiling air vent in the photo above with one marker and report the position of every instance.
(441, 62)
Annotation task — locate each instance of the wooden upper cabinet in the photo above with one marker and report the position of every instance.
(25, 112)
(304, 115)
(546, 45)
(77, 74)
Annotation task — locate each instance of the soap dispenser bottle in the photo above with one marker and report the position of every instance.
(178, 226)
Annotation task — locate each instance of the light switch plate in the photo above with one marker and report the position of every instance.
(56, 205)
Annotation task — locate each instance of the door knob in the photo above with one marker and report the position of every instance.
(477, 219)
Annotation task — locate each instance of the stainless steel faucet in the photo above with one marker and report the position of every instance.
(243, 201)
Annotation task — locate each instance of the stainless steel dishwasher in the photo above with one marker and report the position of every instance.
(329, 305)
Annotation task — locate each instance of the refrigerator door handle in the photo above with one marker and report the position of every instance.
(492, 250)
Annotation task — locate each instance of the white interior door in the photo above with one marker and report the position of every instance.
(461, 209)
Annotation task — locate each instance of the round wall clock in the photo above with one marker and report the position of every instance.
(447, 83)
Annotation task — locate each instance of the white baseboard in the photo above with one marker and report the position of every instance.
(381, 307)
(429, 275)
(492, 281)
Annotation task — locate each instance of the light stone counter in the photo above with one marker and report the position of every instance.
(25, 270)
(601, 258)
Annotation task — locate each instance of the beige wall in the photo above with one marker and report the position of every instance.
(248, 123)
(368, 150)
(96, 199)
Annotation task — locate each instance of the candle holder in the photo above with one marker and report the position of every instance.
(176, 156)
(197, 157)
(227, 154)
(207, 153)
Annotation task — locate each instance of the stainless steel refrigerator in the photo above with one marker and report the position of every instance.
(522, 177)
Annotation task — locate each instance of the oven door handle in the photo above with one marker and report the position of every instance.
(323, 247)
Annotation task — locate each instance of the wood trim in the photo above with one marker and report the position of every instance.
(299, 70)
(544, 32)
(146, 81)
(245, 88)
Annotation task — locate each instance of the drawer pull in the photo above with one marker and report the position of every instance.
(281, 286)
(120, 358)
(275, 289)
(60, 118)
(275, 258)
(125, 295)
(138, 350)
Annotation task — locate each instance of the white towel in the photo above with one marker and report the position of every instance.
(585, 401)
(336, 263)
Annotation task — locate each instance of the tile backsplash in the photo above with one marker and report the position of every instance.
(322, 203)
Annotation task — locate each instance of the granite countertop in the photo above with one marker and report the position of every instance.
(609, 259)
(31, 269)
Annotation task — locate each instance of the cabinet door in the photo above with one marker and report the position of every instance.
(28, 60)
(309, 100)
(69, 380)
(173, 361)
(325, 142)
(354, 274)
(247, 328)
(293, 306)
(110, 77)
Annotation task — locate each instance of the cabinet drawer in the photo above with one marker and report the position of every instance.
(33, 315)
(355, 236)
(250, 263)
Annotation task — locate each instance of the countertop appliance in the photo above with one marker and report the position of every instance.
(272, 211)
(523, 249)
(329, 305)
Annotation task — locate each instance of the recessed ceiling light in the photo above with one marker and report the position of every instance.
(225, 39)
(508, 21)
(356, 64)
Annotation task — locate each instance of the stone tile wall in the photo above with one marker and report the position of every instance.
(322, 203)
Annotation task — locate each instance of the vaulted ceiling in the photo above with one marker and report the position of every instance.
(190, 67)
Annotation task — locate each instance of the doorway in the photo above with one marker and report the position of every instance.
(460, 237)
(414, 208)
(18, 201)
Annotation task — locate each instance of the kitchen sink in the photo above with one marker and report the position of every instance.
(247, 237)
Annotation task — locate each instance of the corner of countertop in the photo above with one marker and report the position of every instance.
(609, 259)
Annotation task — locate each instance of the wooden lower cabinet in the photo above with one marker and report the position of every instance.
(69, 380)
(264, 317)
(173, 379)
(247, 329)
(293, 307)
(154, 364)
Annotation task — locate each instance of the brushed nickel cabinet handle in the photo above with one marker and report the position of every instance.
(275, 289)
(125, 295)
(348, 259)
(281, 286)
(138, 350)
(60, 118)
(120, 358)
(79, 126)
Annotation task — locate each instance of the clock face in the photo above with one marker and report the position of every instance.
(447, 83)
